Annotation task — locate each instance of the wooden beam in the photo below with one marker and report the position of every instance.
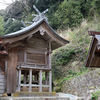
(50, 81)
(40, 81)
(93, 33)
(19, 83)
(37, 68)
(30, 80)
(31, 85)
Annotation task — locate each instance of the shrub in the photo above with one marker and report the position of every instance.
(59, 59)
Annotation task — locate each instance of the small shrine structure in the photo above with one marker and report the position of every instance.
(93, 58)
(25, 57)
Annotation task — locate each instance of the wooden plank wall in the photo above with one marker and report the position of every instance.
(2, 82)
(37, 50)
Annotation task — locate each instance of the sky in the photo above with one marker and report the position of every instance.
(3, 3)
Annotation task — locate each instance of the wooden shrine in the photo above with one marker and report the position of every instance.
(93, 58)
(25, 58)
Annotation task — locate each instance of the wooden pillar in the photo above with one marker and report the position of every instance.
(40, 81)
(19, 83)
(5, 76)
(30, 80)
(50, 55)
(50, 81)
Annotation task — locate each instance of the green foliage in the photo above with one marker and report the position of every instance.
(1, 26)
(95, 95)
(62, 13)
(72, 74)
(67, 15)
(71, 13)
(44, 4)
(12, 26)
(60, 58)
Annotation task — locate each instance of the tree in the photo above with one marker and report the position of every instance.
(12, 25)
(1, 26)
(67, 15)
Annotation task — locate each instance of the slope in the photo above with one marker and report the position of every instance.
(68, 61)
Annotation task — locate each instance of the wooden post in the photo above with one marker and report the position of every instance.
(40, 81)
(30, 80)
(50, 81)
(5, 76)
(25, 56)
(50, 55)
(19, 83)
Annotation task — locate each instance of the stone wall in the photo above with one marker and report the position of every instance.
(83, 85)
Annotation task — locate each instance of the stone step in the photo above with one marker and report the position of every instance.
(33, 94)
(39, 98)
(33, 98)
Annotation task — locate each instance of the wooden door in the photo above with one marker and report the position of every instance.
(2, 82)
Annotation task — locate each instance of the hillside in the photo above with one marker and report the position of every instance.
(68, 61)
(72, 19)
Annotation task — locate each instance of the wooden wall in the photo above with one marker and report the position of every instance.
(2, 82)
(35, 51)
(2, 75)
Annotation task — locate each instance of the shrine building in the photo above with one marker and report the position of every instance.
(25, 58)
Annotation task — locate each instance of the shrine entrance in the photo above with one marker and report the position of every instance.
(30, 80)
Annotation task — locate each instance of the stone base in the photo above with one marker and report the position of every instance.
(40, 96)
(37, 98)
(28, 98)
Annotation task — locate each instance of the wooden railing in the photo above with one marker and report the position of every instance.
(33, 66)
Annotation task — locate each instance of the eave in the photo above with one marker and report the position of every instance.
(34, 28)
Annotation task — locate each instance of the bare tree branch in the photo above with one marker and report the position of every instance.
(5, 3)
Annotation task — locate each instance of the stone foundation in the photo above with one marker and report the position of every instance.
(33, 98)
(34, 94)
